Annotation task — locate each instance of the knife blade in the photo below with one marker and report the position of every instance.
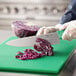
(53, 38)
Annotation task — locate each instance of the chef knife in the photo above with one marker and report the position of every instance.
(53, 38)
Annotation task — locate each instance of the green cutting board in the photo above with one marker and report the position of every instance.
(44, 65)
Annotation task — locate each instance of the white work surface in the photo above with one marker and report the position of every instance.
(69, 70)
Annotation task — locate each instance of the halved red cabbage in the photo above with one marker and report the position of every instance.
(21, 29)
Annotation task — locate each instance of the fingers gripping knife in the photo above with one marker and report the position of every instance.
(53, 38)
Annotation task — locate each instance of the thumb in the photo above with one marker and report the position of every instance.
(50, 30)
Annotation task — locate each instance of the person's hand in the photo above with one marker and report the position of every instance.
(70, 30)
(45, 30)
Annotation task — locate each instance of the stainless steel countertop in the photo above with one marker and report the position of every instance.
(68, 70)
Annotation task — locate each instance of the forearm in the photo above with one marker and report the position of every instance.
(70, 13)
(66, 18)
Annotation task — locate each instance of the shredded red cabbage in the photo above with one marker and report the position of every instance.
(42, 46)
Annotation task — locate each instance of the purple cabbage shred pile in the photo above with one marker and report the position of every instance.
(42, 47)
